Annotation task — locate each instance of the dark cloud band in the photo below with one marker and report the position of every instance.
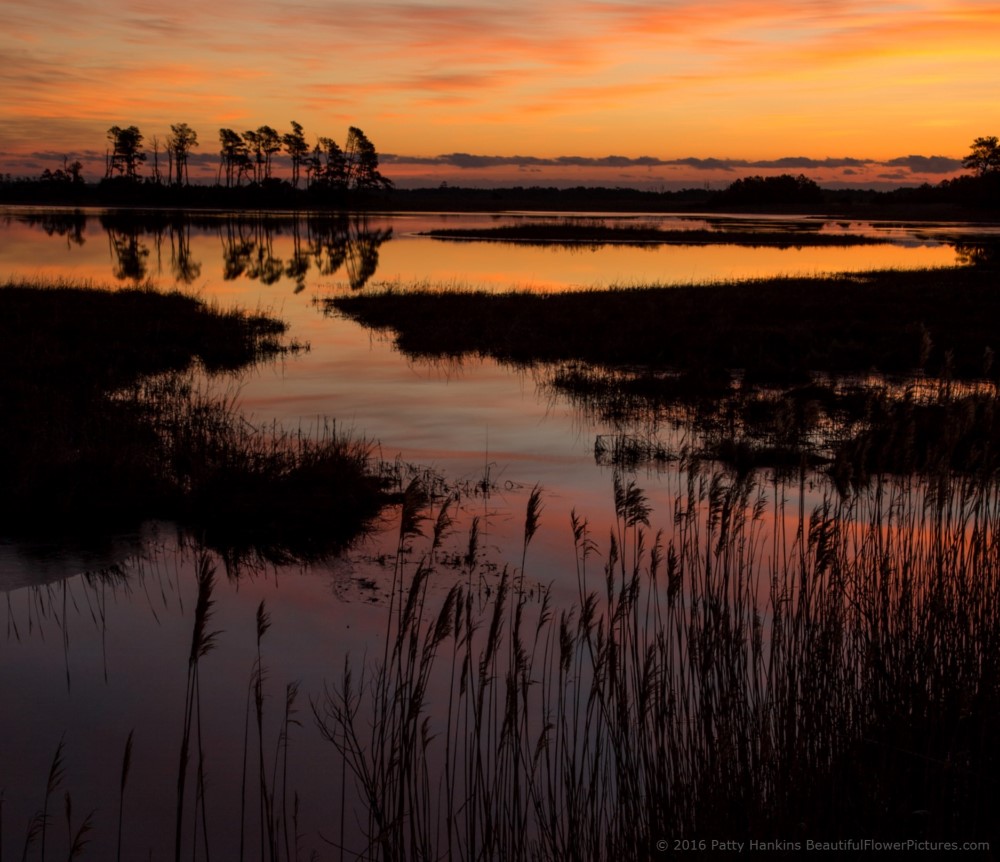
(913, 164)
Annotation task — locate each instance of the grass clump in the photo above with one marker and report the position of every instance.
(106, 427)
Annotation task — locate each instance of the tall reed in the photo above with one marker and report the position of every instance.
(77, 840)
(202, 642)
(126, 767)
(761, 670)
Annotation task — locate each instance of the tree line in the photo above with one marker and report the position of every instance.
(249, 157)
(246, 168)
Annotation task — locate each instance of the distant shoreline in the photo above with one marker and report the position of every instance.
(909, 204)
(570, 232)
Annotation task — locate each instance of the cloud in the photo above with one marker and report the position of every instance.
(608, 161)
(785, 163)
(153, 29)
(71, 154)
(638, 170)
(709, 164)
(927, 164)
(433, 76)
(468, 160)
(803, 163)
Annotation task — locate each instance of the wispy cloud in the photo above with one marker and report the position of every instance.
(655, 172)
(672, 77)
(914, 164)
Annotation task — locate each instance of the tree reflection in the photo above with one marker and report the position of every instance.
(346, 241)
(128, 252)
(329, 242)
(362, 251)
(184, 267)
(71, 225)
(980, 254)
(298, 264)
(237, 248)
(265, 266)
(333, 243)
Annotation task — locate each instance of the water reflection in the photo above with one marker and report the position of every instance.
(852, 429)
(70, 225)
(128, 251)
(327, 244)
(182, 248)
(857, 614)
(981, 254)
(825, 625)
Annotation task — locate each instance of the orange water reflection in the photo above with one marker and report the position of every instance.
(218, 252)
(454, 418)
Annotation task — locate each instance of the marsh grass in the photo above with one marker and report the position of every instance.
(773, 373)
(596, 232)
(126, 768)
(108, 428)
(761, 670)
(261, 492)
(767, 666)
(777, 330)
(186, 799)
(202, 642)
(854, 428)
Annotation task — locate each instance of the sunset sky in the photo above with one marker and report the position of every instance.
(679, 92)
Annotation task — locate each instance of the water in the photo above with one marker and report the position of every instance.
(174, 249)
(97, 640)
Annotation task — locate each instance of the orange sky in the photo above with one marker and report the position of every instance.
(851, 90)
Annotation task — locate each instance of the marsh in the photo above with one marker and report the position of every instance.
(99, 640)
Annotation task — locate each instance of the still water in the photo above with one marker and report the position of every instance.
(96, 640)
(223, 253)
